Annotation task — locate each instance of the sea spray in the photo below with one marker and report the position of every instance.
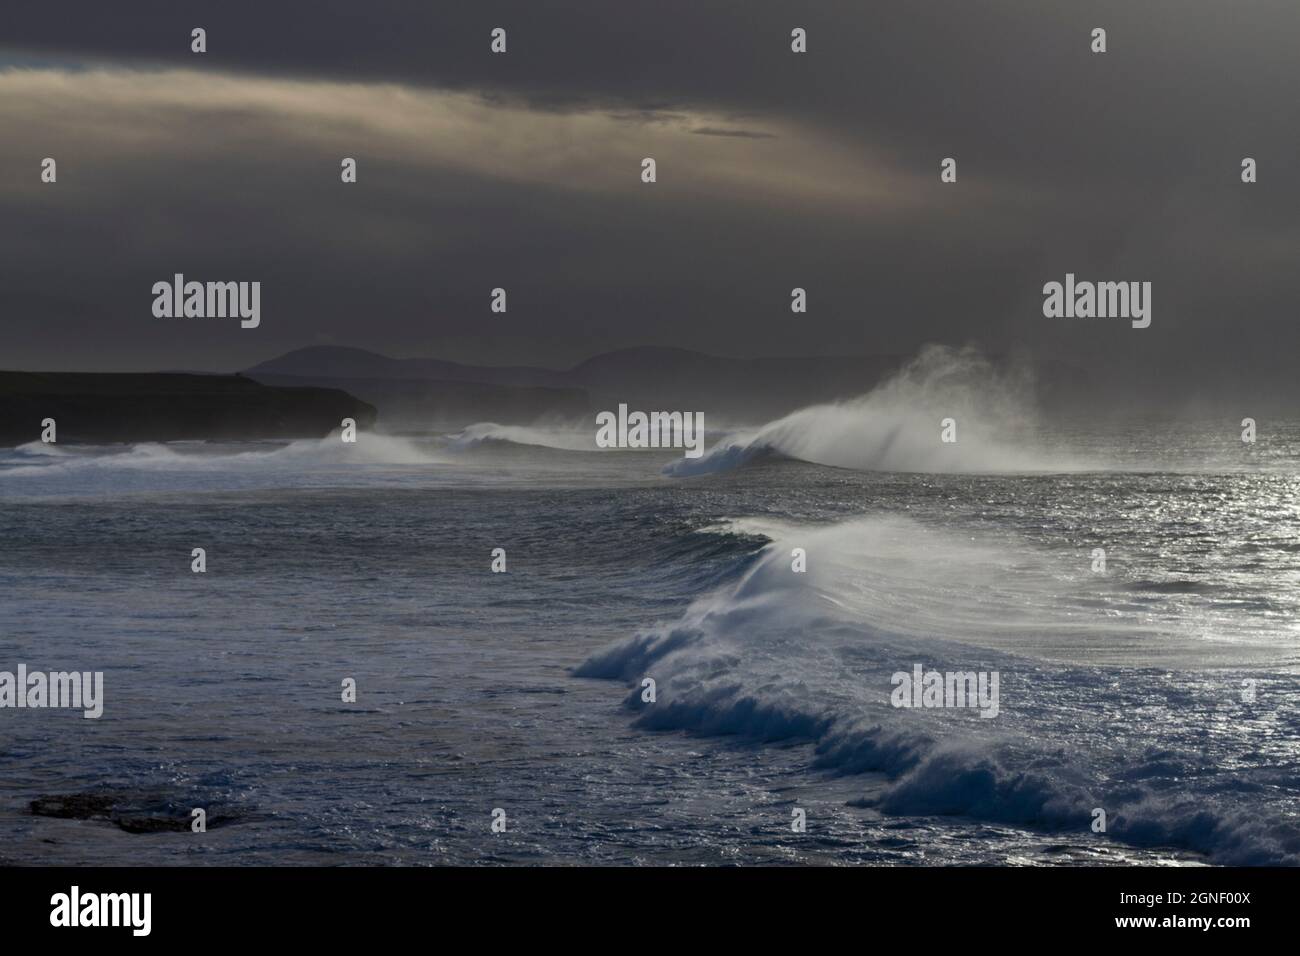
(948, 410)
(784, 656)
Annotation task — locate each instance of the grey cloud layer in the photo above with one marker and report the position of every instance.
(775, 171)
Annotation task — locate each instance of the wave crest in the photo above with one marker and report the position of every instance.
(782, 656)
(897, 425)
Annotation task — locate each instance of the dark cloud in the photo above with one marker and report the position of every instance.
(740, 133)
(823, 174)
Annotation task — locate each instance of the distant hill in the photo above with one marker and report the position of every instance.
(431, 391)
(135, 407)
(435, 391)
(338, 362)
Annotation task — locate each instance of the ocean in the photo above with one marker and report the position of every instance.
(1162, 690)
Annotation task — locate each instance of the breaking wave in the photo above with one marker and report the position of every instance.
(777, 655)
(562, 439)
(897, 426)
(95, 470)
(369, 449)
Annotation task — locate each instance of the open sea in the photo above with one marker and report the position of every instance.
(1164, 690)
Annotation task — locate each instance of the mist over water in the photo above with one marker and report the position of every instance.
(1121, 690)
(376, 449)
(998, 428)
(896, 426)
(575, 437)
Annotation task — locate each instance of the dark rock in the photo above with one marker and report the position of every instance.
(100, 408)
(135, 811)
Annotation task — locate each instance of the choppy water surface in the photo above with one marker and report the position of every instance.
(1125, 691)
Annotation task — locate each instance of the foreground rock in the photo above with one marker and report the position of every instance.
(134, 812)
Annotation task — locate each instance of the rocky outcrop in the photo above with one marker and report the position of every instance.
(130, 407)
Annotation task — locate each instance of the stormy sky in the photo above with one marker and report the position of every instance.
(775, 170)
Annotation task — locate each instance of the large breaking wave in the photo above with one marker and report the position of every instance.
(897, 426)
(1175, 759)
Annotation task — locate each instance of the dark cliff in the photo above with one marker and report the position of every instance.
(130, 407)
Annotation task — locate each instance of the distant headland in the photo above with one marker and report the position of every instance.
(136, 407)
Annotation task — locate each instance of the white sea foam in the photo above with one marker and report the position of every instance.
(780, 655)
(39, 459)
(897, 426)
(564, 439)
